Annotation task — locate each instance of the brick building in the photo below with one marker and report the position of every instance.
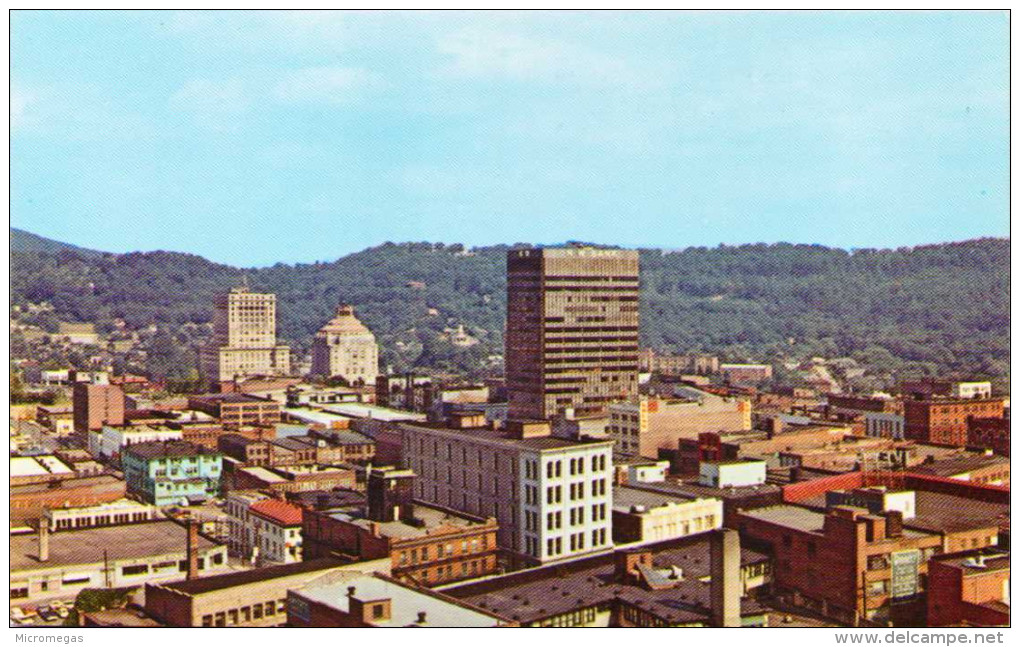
(989, 433)
(30, 501)
(96, 405)
(254, 598)
(426, 545)
(944, 420)
(969, 588)
(845, 564)
(237, 409)
(643, 427)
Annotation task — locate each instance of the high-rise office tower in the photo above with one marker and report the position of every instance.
(345, 348)
(572, 330)
(244, 338)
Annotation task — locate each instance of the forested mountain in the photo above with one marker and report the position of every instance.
(938, 309)
(24, 241)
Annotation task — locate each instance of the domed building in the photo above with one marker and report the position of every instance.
(345, 348)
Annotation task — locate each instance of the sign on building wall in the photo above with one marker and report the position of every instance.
(905, 565)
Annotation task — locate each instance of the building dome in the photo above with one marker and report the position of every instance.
(345, 323)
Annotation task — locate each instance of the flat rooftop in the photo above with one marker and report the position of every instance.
(37, 466)
(534, 594)
(406, 602)
(504, 437)
(938, 512)
(695, 489)
(434, 519)
(625, 497)
(359, 410)
(243, 578)
(949, 467)
(88, 546)
(168, 448)
(804, 519)
(230, 398)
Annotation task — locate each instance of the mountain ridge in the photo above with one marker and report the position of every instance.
(934, 309)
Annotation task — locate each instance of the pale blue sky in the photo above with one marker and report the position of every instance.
(252, 138)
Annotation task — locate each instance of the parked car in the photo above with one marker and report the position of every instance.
(47, 613)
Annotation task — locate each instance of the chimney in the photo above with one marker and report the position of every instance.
(44, 540)
(893, 524)
(192, 527)
(725, 585)
(621, 475)
(421, 617)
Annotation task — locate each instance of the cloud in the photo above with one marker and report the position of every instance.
(332, 85)
(214, 104)
(20, 100)
(480, 52)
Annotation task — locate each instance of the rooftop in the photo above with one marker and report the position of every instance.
(359, 410)
(949, 467)
(406, 602)
(434, 521)
(280, 512)
(938, 512)
(37, 466)
(695, 489)
(230, 398)
(977, 561)
(805, 519)
(538, 593)
(92, 545)
(624, 498)
(166, 449)
(242, 578)
(504, 437)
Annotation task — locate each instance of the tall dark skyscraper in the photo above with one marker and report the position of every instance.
(572, 330)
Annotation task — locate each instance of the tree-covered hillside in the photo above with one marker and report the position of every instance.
(940, 309)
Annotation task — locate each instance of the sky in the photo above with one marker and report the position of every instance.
(252, 138)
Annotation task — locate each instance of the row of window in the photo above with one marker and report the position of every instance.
(245, 614)
(415, 555)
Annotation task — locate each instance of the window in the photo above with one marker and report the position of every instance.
(378, 611)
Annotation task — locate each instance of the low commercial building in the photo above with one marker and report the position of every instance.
(726, 474)
(38, 469)
(172, 473)
(644, 427)
(969, 588)
(115, 513)
(29, 502)
(59, 565)
(989, 469)
(884, 425)
(426, 545)
(298, 478)
(640, 516)
(109, 441)
(254, 598)
(237, 409)
(745, 373)
(347, 600)
(58, 420)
